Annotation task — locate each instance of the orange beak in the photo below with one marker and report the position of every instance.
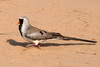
(18, 23)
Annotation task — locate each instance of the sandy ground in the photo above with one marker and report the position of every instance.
(77, 18)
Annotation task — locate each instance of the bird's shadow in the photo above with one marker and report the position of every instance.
(23, 44)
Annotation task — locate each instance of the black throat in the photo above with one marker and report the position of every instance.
(20, 26)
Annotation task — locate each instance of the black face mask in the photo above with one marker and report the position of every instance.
(20, 26)
(21, 21)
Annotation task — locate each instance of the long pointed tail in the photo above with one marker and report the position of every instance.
(59, 36)
(77, 39)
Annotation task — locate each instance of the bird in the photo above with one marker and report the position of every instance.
(35, 35)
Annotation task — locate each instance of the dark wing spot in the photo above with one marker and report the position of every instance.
(45, 31)
(41, 32)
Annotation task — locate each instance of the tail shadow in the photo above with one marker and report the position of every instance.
(23, 44)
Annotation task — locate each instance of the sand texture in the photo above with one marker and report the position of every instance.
(76, 18)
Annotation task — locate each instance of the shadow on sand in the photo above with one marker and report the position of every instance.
(15, 43)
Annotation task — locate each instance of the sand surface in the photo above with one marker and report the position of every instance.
(77, 18)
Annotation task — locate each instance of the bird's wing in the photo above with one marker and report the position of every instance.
(38, 34)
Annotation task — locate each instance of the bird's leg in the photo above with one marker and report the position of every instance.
(39, 46)
(30, 45)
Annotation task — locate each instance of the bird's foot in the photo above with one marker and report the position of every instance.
(38, 46)
(30, 45)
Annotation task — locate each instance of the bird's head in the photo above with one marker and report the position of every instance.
(22, 20)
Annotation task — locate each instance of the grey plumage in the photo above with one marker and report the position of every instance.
(38, 34)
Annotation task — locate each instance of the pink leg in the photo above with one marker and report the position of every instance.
(39, 46)
(30, 45)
